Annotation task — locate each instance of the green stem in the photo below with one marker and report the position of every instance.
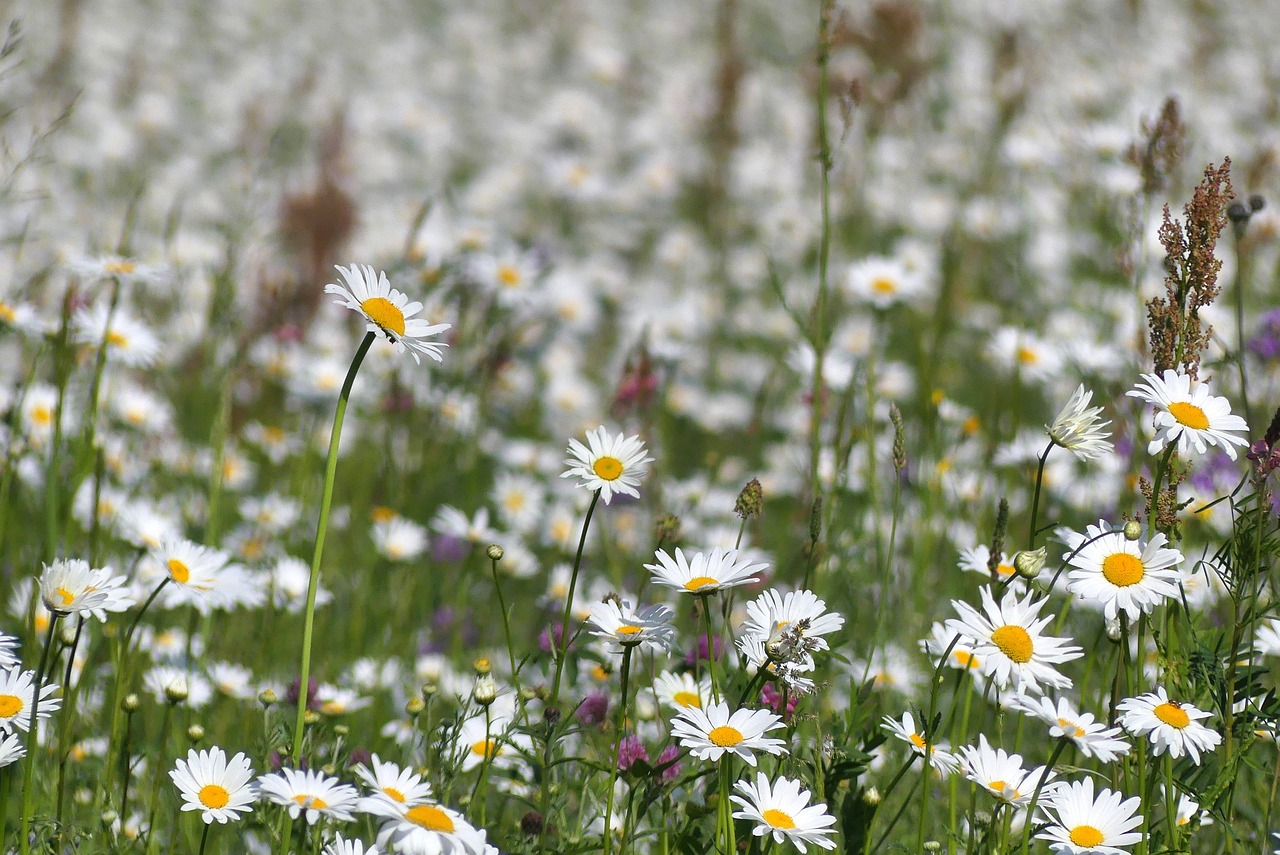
(65, 724)
(617, 749)
(28, 791)
(724, 807)
(506, 628)
(204, 837)
(1035, 797)
(154, 801)
(331, 470)
(818, 332)
(1171, 805)
(1035, 500)
(705, 601)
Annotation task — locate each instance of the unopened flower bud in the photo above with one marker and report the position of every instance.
(329, 769)
(67, 634)
(872, 796)
(429, 691)
(1113, 629)
(486, 690)
(531, 824)
(131, 703)
(108, 818)
(1132, 530)
(668, 528)
(310, 717)
(195, 733)
(414, 707)
(494, 552)
(932, 846)
(341, 730)
(1029, 562)
(268, 697)
(482, 667)
(176, 691)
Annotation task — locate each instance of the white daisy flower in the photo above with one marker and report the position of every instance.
(1186, 413)
(399, 539)
(452, 522)
(610, 464)
(1093, 738)
(426, 829)
(341, 846)
(1001, 773)
(1008, 639)
(1265, 641)
(883, 281)
(388, 311)
(705, 572)
(128, 340)
(1170, 725)
(1082, 823)
(389, 781)
(1188, 811)
(800, 612)
(495, 740)
(22, 317)
(782, 809)
(940, 755)
(961, 656)
(680, 691)
(8, 651)
(709, 734)
(624, 627)
(13, 748)
(16, 697)
(1133, 576)
(73, 587)
(311, 794)
(1078, 428)
(221, 789)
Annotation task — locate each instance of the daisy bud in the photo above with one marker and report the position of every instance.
(494, 552)
(311, 717)
(1029, 562)
(482, 667)
(268, 697)
(932, 846)
(486, 691)
(176, 691)
(414, 707)
(67, 635)
(668, 528)
(1132, 530)
(429, 691)
(131, 703)
(531, 824)
(1113, 629)
(341, 730)
(195, 733)
(108, 818)
(872, 796)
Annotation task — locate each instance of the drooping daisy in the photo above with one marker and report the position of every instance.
(772, 614)
(8, 651)
(1001, 773)
(73, 587)
(1093, 738)
(1170, 725)
(190, 565)
(624, 627)
(388, 781)
(222, 789)
(782, 809)
(309, 793)
(940, 756)
(1085, 824)
(704, 572)
(1187, 414)
(1189, 811)
(709, 734)
(1133, 576)
(680, 691)
(610, 464)
(426, 829)
(16, 696)
(1078, 428)
(1008, 639)
(974, 559)
(388, 311)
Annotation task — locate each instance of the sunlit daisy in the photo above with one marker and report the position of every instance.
(388, 311)
(452, 522)
(388, 781)
(13, 748)
(772, 615)
(479, 740)
(1189, 811)
(1187, 414)
(221, 789)
(1093, 738)
(16, 697)
(1133, 576)
(974, 559)
(704, 572)
(940, 756)
(311, 794)
(1085, 824)
(1007, 637)
(610, 464)
(623, 627)
(1001, 773)
(73, 587)
(1170, 725)
(679, 691)
(782, 809)
(426, 829)
(883, 281)
(709, 734)
(8, 651)
(1078, 428)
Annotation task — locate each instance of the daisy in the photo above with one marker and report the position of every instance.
(73, 587)
(800, 612)
(1170, 725)
(222, 789)
(681, 691)
(705, 572)
(1093, 738)
(708, 735)
(388, 311)
(610, 464)
(129, 341)
(617, 623)
(940, 756)
(1001, 773)
(1133, 576)
(883, 281)
(190, 565)
(1187, 414)
(1078, 428)
(975, 558)
(782, 809)
(494, 741)
(961, 656)
(1266, 640)
(1008, 640)
(426, 829)
(452, 522)
(23, 317)
(791, 672)
(389, 781)
(12, 748)
(310, 793)
(341, 846)
(1189, 810)
(399, 539)
(8, 651)
(1085, 824)
(17, 696)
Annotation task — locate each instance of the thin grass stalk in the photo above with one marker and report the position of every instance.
(153, 803)
(32, 736)
(506, 622)
(818, 333)
(68, 707)
(1035, 797)
(617, 748)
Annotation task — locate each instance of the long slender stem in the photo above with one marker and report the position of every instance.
(204, 837)
(331, 471)
(1035, 500)
(32, 732)
(1035, 797)
(818, 332)
(506, 626)
(705, 601)
(65, 726)
(617, 749)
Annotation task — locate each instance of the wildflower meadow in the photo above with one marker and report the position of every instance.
(639, 428)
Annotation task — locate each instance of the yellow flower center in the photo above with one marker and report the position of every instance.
(1122, 569)
(7, 314)
(917, 740)
(1172, 714)
(971, 425)
(883, 285)
(393, 794)
(608, 468)
(998, 786)
(381, 513)
(310, 802)
(1014, 642)
(67, 597)
(966, 659)
(1070, 728)
(514, 502)
(384, 313)
(629, 630)
(213, 796)
(1086, 836)
(509, 275)
(120, 267)
(699, 582)
(1184, 820)
(273, 435)
(42, 415)
(778, 819)
(486, 748)
(180, 572)
(687, 699)
(1006, 569)
(333, 708)
(10, 705)
(1189, 415)
(430, 817)
(1027, 356)
(725, 736)
(116, 339)
(599, 674)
